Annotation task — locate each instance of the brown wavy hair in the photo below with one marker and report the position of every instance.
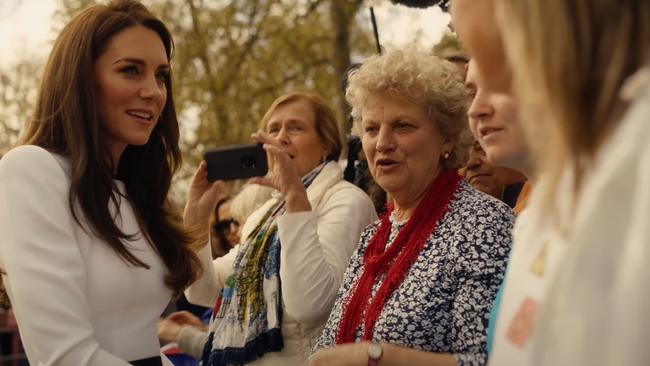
(66, 122)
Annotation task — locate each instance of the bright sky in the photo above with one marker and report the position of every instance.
(25, 29)
(26, 26)
(399, 25)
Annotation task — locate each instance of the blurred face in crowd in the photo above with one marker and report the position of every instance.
(486, 177)
(494, 122)
(402, 145)
(480, 174)
(228, 226)
(130, 75)
(294, 124)
(475, 24)
(460, 61)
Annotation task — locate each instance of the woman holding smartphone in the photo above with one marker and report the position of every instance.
(272, 295)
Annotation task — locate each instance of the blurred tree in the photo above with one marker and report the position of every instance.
(450, 49)
(17, 96)
(234, 58)
(449, 43)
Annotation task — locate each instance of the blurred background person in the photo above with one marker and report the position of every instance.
(495, 123)
(267, 314)
(590, 136)
(420, 286)
(249, 199)
(224, 229)
(450, 49)
(580, 239)
(499, 182)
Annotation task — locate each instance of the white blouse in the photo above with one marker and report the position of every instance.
(76, 302)
(596, 311)
(577, 290)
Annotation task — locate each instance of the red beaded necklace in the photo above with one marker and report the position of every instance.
(396, 261)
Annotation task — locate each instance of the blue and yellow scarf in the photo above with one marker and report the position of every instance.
(247, 317)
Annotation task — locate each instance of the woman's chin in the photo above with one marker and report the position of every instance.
(391, 186)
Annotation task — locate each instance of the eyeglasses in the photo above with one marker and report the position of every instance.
(225, 226)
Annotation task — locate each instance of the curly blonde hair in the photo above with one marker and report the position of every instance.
(427, 80)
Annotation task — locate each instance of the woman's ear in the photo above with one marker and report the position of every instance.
(447, 145)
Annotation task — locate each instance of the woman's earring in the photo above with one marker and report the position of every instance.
(446, 155)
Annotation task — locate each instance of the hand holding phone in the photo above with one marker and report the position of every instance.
(236, 162)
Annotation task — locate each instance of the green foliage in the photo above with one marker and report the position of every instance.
(17, 96)
(448, 45)
(234, 58)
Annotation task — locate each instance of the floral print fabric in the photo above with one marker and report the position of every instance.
(444, 302)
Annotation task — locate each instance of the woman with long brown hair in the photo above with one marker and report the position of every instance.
(92, 250)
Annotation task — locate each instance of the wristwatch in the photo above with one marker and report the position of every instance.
(375, 351)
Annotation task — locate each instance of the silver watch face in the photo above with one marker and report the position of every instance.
(375, 351)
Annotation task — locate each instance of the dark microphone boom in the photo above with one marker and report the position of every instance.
(444, 4)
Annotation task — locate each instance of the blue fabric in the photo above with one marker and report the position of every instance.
(183, 360)
(494, 313)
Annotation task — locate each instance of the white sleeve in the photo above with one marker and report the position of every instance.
(206, 288)
(192, 340)
(316, 250)
(631, 290)
(45, 274)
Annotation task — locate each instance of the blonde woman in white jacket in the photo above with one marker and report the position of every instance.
(273, 294)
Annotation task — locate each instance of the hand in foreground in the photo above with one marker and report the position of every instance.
(349, 354)
(284, 174)
(170, 327)
(201, 199)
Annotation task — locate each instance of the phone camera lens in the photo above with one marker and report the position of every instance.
(248, 162)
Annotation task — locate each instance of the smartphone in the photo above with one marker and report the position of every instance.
(236, 162)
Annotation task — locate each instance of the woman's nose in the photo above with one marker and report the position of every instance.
(385, 140)
(283, 136)
(152, 88)
(480, 108)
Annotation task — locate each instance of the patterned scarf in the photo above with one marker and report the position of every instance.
(247, 316)
(395, 262)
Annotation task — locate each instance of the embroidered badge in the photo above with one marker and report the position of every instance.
(539, 264)
(522, 325)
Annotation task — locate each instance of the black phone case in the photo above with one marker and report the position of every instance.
(236, 162)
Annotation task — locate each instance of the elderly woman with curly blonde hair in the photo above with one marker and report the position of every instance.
(419, 288)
